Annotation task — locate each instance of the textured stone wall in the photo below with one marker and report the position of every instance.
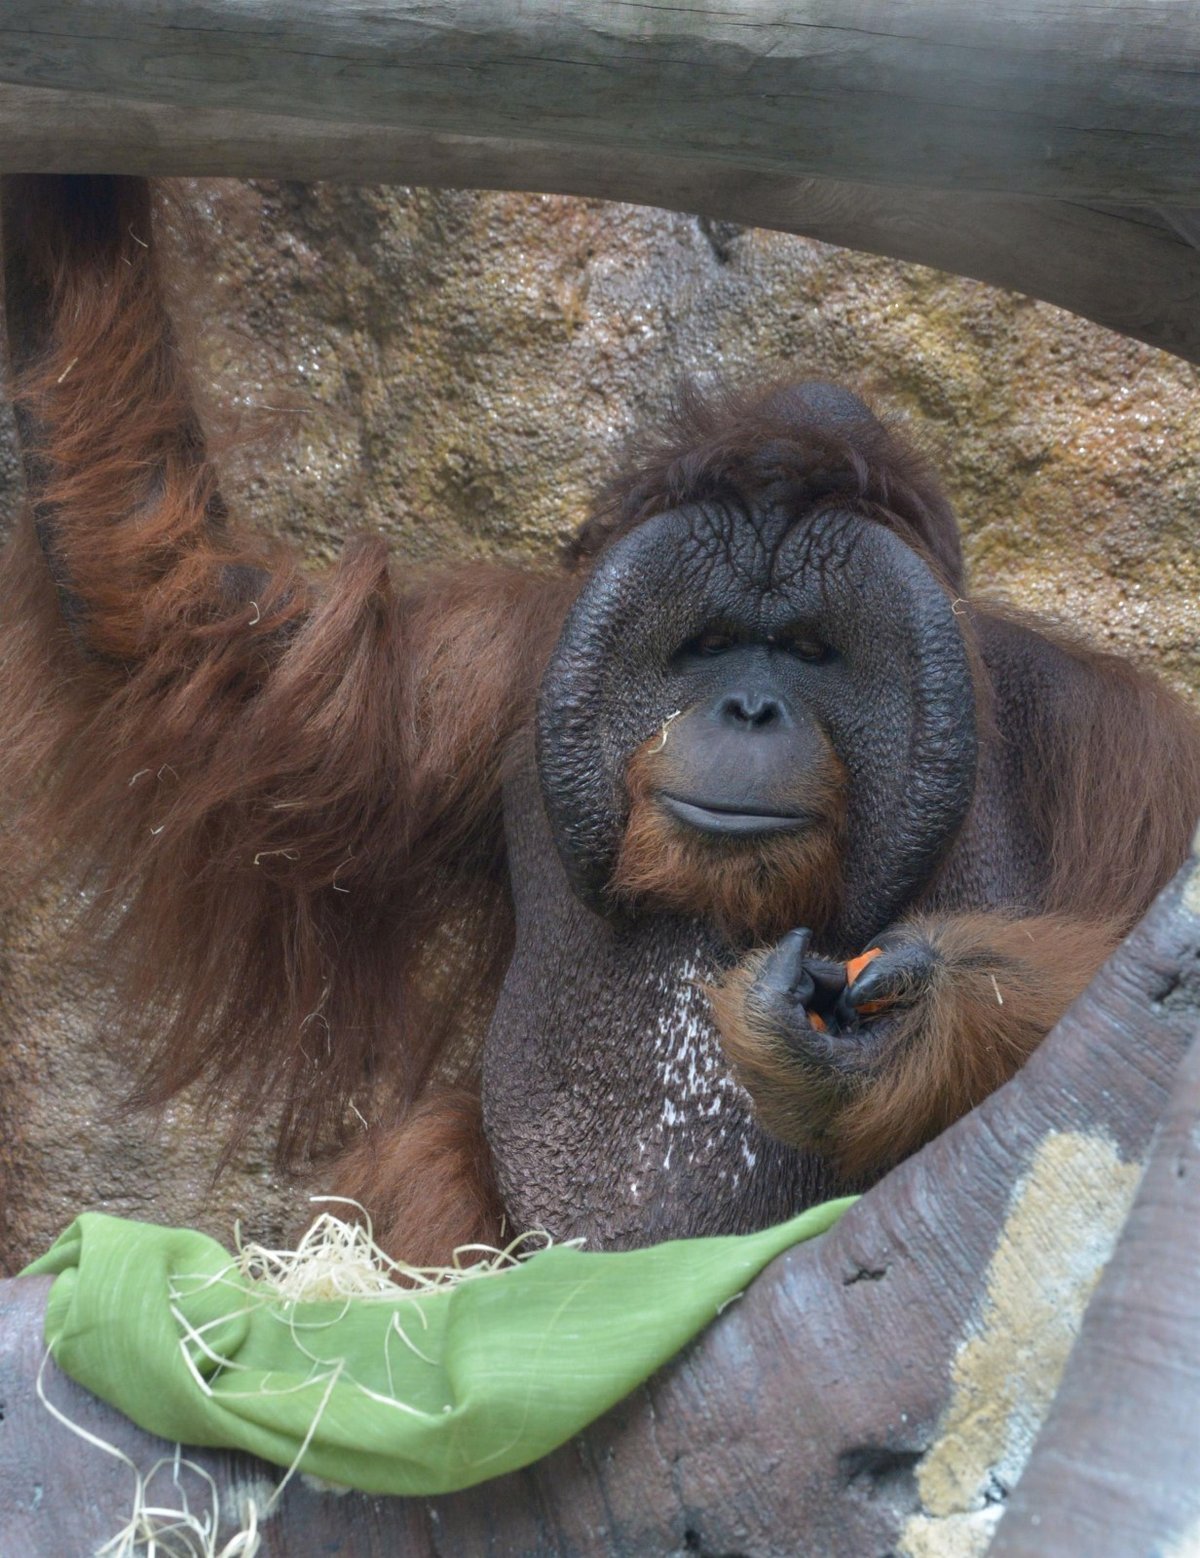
(460, 370)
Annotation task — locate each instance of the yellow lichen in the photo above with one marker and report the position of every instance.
(1066, 1213)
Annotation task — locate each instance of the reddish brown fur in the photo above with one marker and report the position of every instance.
(1111, 779)
(752, 890)
(277, 793)
(1001, 985)
(1111, 776)
(427, 1181)
(762, 446)
(283, 796)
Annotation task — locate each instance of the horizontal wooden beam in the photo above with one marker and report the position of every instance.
(1076, 100)
(1124, 268)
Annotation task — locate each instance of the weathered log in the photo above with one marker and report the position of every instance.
(1077, 101)
(1053, 152)
(1115, 1470)
(876, 1391)
(1129, 270)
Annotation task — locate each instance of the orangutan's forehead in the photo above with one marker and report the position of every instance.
(765, 553)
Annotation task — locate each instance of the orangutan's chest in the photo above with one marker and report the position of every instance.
(695, 1111)
(608, 1106)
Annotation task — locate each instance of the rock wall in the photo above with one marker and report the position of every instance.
(460, 370)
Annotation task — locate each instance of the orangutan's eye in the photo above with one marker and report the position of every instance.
(810, 649)
(711, 642)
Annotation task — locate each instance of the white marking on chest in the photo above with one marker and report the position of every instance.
(695, 1081)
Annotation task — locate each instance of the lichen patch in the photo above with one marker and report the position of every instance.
(1064, 1219)
(951, 1536)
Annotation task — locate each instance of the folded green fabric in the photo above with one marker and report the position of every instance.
(422, 1394)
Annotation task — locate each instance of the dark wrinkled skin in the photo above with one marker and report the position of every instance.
(898, 703)
(607, 1102)
(608, 1106)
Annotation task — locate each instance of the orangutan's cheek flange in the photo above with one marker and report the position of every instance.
(896, 699)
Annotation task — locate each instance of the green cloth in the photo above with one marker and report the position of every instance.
(513, 1364)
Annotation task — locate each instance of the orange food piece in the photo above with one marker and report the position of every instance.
(856, 965)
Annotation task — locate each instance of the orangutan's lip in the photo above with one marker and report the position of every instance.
(729, 821)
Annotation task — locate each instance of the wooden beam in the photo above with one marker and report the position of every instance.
(1077, 100)
(1123, 268)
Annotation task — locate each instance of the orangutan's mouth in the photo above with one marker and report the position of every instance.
(731, 821)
